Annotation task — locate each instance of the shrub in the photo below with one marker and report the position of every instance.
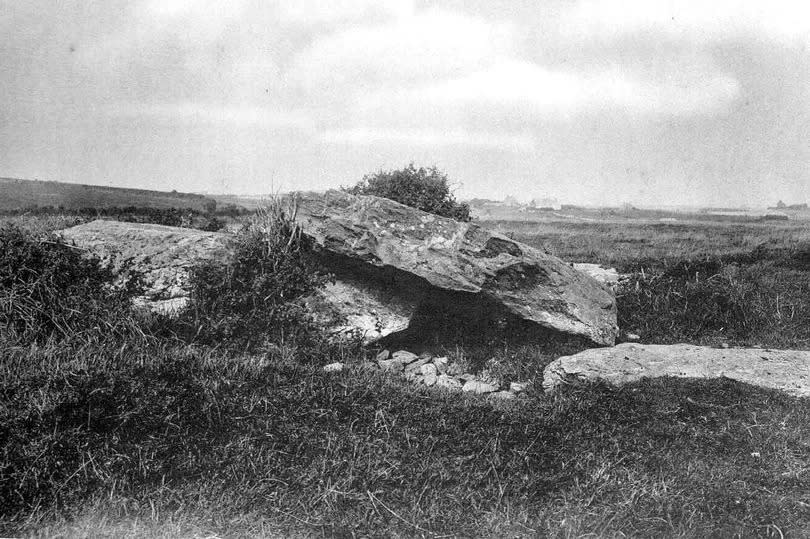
(426, 189)
(251, 300)
(50, 290)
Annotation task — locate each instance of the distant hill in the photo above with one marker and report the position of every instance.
(17, 194)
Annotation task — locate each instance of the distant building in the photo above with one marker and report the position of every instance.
(546, 203)
(782, 206)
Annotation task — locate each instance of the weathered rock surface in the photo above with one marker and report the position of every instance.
(430, 373)
(333, 367)
(163, 254)
(606, 276)
(392, 365)
(349, 305)
(477, 386)
(418, 257)
(786, 370)
(405, 356)
(448, 382)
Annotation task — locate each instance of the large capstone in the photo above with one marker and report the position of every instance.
(417, 259)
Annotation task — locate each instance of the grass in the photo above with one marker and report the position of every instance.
(702, 282)
(177, 438)
(628, 244)
(155, 438)
(18, 193)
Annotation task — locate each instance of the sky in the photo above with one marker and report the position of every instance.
(601, 102)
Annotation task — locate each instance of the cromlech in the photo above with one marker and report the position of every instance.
(405, 269)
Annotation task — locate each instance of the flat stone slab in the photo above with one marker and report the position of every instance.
(785, 370)
(162, 254)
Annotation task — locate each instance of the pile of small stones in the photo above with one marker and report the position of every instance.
(437, 372)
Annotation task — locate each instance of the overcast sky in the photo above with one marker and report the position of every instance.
(589, 101)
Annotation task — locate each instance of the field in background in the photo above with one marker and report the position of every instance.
(159, 439)
(18, 194)
(628, 239)
(706, 281)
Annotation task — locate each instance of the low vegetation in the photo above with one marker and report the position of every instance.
(223, 422)
(250, 302)
(703, 282)
(186, 218)
(52, 292)
(426, 189)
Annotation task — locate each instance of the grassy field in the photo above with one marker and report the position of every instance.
(16, 194)
(148, 436)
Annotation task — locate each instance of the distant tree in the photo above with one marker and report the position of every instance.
(426, 189)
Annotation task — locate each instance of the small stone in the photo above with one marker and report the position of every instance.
(413, 376)
(405, 356)
(441, 364)
(454, 369)
(391, 365)
(505, 395)
(430, 373)
(448, 382)
(518, 387)
(382, 356)
(476, 386)
(333, 367)
(632, 337)
(489, 378)
(416, 365)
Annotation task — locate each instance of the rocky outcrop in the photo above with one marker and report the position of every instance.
(162, 254)
(786, 370)
(419, 258)
(607, 276)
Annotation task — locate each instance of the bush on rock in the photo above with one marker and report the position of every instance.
(426, 189)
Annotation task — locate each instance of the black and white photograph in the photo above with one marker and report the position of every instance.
(404, 268)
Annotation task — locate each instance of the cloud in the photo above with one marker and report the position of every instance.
(526, 90)
(521, 142)
(313, 13)
(214, 114)
(190, 20)
(787, 21)
(424, 46)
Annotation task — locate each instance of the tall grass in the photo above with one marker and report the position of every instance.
(53, 291)
(251, 301)
(763, 303)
